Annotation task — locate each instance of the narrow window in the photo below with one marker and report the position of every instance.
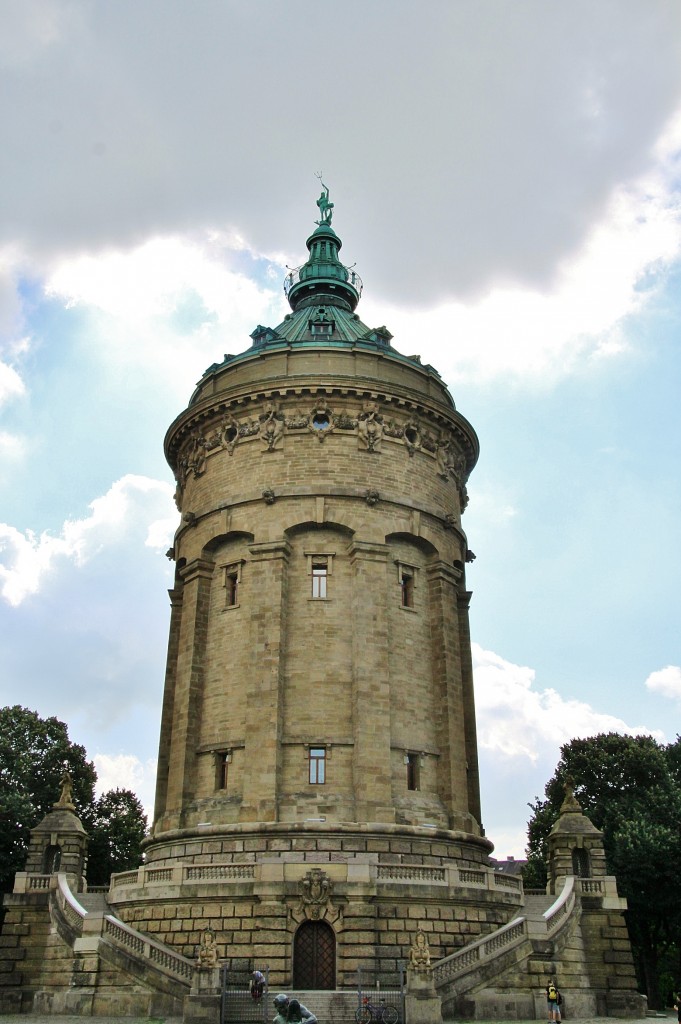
(320, 572)
(232, 588)
(412, 763)
(231, 581)
(223, 760)
(317, 765)
(407, 587)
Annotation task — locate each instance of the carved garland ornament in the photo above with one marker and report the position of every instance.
(272, 424)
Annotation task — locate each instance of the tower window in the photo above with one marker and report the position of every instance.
(231, 581)
(320, 572)
(412, 763)
(232, 587)
(317, 766)
(406, 577)
(407, 587)
(319, 568)
(223, 761)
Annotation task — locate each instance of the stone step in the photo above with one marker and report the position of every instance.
(94, 902)
(330, 1007)
(535, 906)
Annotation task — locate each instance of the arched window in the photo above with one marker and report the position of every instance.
(51, 859)
(581, 866)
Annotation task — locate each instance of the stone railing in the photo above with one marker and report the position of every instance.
(38, 882)
(502, 881)
(485, 949)
(560, 911)
(451, 875)
(411, 874)
(69, 906)
(521, 929)
(179, 874)
(591, 886)
(146, 949)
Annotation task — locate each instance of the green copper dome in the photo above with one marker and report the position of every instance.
(323, 280)
(323, 294)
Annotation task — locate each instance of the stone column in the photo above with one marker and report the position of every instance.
(264, 715)
(168, 701)
(470, 727)
(372, 774)
(188, 695)
(443, 580)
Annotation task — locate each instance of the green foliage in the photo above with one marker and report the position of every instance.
(630, 786)
(117, 827)
(33, 755)
(34, 752)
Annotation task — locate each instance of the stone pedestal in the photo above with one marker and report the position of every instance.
(423, 1004)
(202, 1005)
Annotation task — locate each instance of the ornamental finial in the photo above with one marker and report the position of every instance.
(325, 207)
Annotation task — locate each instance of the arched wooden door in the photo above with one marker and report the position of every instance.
(314, 956)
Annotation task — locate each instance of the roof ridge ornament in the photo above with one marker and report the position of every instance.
(325, 207)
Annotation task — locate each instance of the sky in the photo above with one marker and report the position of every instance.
(507, 178)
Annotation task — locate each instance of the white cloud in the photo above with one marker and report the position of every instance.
(518, 721)
(26, 558)
(11, 383)
(520, 731)
(11, 445)
(126, 771)
(666, 681)
(535, 336)
(171, 305)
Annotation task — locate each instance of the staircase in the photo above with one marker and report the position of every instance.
(328, 1006)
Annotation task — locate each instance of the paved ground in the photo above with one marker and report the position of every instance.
(21, 1018)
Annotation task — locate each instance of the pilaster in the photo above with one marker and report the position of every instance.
(168, 700)
(188, 689)
(470, 728)
(371, 683)
(265, 687)
(443, 581)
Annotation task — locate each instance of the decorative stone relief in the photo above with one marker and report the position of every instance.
(249, 428)
(297, 421)
(370, 426)
(372, 498)
(344, 422)
(419, 953)
(196, 455)
(412, 435)
(272, 424)
(269, 496)
(315, 896)
(392, 429)
(227, 435)
(321, 421)
(207, 957)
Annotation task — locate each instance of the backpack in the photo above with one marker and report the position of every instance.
(559, 998)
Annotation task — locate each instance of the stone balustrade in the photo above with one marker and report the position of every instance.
(180, 874)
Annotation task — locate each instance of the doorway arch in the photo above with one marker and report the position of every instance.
(314, 956)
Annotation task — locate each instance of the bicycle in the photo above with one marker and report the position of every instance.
(383, 1014)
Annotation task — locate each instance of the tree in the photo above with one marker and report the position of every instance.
(630, 786)
(34, 752)
(117, 827)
